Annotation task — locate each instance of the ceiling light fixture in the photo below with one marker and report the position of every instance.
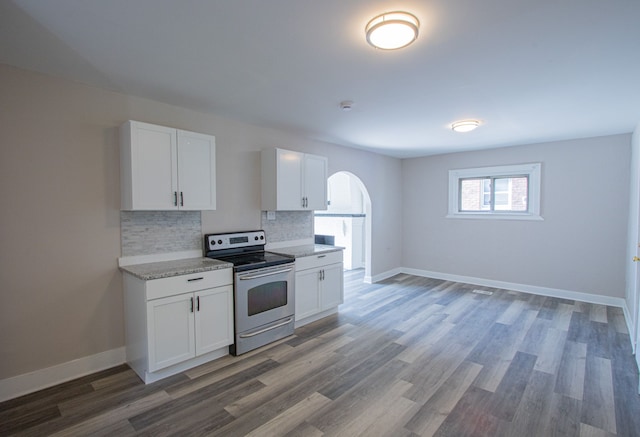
(465, 125)
(392, 30)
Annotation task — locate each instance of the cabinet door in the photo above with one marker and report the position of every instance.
(331, 286)
(196, 171)
(289, 180)
(315, 182)
(171, 332)
(154, 177)
(214, 319)
(307, 293)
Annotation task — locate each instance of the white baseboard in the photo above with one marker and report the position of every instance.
(30, 382)
(33, 381)
(384, 275)
(531, 289)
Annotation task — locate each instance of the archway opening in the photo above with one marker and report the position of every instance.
(347, 221)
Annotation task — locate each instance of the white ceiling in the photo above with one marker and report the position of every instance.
(531, 70)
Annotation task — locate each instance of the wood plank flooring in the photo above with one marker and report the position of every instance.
(408, 356)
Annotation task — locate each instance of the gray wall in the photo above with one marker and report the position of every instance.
(61, 296)
(580, 246)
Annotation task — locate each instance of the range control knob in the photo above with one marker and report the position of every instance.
(262, 237)
(219, 241)
(256, 238)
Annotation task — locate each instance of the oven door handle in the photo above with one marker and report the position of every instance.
(262, 331)
(246, 278)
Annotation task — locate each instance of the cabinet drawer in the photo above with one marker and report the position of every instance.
(164, 287)
(323, 259)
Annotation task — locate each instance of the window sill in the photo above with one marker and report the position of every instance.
(505, 216)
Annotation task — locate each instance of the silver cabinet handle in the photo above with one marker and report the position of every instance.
(246, 278)
(181, 199)
(195, 279)
(286, 322)
(191, 304)
(175, 198)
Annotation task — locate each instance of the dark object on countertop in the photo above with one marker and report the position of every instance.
(325, 239)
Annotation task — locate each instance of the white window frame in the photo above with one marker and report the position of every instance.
(532, 170)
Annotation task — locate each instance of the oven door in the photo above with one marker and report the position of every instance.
(263, 296)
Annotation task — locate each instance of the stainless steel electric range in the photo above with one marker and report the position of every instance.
(263, 288)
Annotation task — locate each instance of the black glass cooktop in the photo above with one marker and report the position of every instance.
(253, 260)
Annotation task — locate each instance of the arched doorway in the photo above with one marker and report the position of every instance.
(347, 220)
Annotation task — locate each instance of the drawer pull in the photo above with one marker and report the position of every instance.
(262, 331)
(246, 278)
(195, 279)
(321, 256)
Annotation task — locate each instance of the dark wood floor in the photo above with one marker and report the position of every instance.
(404, 357)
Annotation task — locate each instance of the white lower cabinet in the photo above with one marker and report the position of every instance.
(319, 286)
(176, 323)
(214, 319)
(171, 331)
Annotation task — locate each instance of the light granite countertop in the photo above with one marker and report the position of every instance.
(306, 250)
(166, 269)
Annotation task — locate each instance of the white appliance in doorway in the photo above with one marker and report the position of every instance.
(348, 230)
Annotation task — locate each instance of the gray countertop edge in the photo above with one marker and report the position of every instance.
(306, 250)
(167, 269)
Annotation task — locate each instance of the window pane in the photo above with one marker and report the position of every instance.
(486, 198)
(502, 194)
(502, 200)
(501, 184)
(511, 194)
(520, 193)
(472, 195)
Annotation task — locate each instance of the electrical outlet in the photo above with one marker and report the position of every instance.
(271, 215)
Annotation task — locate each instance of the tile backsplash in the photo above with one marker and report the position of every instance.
(288, 226)
(159, 232)
(154, 232)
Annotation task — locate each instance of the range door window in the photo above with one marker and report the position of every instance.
(266, 297)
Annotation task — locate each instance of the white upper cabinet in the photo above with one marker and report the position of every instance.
(293, 181)
(162, 168)
(314, 179)
(196, 171)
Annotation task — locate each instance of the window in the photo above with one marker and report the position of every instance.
(507, 192)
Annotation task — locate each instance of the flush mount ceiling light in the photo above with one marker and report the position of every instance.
(465, 125)
(392, 30)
